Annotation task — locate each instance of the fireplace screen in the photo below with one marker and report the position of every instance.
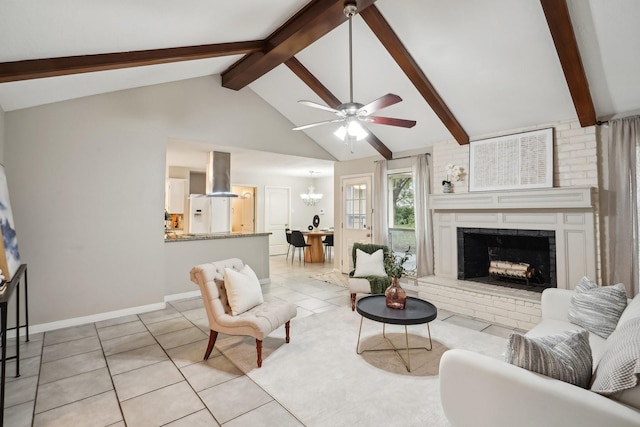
(514, 258)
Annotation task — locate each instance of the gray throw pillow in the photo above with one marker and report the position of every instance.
(619, 367)
(597, 308)
(566, 356)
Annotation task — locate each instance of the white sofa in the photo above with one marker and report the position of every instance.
(478, 390)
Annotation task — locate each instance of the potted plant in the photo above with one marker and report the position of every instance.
(395, 296)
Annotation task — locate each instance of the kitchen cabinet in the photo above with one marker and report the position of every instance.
(175, 195)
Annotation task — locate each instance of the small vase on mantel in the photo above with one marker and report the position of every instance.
(447, 187)
(395, 296)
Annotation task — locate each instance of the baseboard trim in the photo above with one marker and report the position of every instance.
(184, 295)
(76, 321)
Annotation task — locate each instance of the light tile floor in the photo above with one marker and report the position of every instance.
(147, 369)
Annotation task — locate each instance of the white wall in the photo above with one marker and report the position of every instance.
(301, 215)
(86, 183)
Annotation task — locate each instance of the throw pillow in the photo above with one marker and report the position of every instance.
(369, 265)
(619, 368)
(597, 308)
(566, 356)
(243, 289)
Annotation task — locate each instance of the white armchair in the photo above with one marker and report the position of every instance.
(257, 322)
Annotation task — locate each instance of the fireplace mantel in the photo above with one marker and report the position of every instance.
(544, 198)
(569, 211)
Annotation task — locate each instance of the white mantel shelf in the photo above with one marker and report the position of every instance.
(539, 198)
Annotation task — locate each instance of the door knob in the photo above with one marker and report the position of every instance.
(368, 235)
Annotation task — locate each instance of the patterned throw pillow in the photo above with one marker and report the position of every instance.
(597, 308)
(566, 356)
(619, 368)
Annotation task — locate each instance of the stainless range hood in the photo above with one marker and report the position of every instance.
(218, 175)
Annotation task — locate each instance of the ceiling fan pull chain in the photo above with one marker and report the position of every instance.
(350, 61)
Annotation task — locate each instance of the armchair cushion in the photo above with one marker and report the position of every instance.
(242, 289)
(565, 356)
(369, 264)
(597, 308)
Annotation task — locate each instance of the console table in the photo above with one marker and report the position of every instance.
(13, 284)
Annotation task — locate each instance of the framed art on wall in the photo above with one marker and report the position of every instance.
(9, 255)
(518, 161)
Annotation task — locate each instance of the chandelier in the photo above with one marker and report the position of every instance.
(310, 198)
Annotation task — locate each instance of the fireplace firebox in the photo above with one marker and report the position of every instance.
(508, 257)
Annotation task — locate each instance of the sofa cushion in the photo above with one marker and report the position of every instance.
(632, 311)
(597, 308)
(243, 289)
(565, 356)
(619, 368)
(369, 265)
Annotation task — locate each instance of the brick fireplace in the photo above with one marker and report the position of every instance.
(566, 214)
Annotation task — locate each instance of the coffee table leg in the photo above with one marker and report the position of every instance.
(407, 363)
(359, 331)
(406, 338)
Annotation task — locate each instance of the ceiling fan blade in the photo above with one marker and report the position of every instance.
(389, 121)
(310, 125)
(319, 106)
(380, 103)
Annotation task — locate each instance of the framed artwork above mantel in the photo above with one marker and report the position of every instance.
(518, 161)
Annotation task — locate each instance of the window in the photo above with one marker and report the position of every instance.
(401, 215)
(356, 205)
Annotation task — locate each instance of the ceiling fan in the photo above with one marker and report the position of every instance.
(355, 113)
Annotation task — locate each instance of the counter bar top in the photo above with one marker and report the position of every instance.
(212, 236)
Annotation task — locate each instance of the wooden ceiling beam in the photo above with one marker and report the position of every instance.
(403, 58)
(559, 22)
(312, 22)
(325, 94)
(61, 66)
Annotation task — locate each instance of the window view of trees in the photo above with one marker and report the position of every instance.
(401, 215)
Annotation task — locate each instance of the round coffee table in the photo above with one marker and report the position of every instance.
(415, 312)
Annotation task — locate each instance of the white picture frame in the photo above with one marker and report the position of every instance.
(517, 161)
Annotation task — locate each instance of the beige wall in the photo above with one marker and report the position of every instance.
(86, 179)
(2, 135)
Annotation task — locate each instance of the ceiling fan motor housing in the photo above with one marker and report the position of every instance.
(350, 8)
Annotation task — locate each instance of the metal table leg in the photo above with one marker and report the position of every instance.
(407, 363)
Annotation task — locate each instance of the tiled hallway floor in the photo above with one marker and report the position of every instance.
(147, 369)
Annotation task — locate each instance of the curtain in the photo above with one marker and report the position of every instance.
(380, 213)
(424, 233)
(619, 203)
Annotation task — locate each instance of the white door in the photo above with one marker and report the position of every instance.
(277, 217)
(249, 212)
(356, 216)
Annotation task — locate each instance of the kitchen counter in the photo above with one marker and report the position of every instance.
(211, 236)
(251, 248)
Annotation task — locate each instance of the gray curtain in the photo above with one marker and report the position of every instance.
(380, 213)
(619, 202)
(424, 232)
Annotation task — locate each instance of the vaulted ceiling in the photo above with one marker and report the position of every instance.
(464, 68)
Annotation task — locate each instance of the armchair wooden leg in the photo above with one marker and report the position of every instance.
(353, 302)
(213, 335)
(259, 350)
(286, 328)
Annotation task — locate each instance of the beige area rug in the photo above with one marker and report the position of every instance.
(334, 277)
(321, 380)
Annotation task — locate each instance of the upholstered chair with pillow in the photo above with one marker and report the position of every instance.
(233, 300)
(369, 275)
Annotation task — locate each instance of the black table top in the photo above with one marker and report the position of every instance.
(416, 311)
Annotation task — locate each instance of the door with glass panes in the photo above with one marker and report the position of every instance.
(356, 216)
